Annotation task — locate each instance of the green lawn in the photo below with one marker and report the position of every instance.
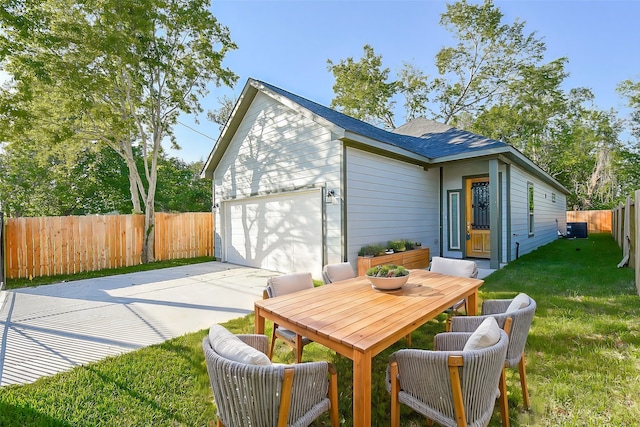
(583, 358)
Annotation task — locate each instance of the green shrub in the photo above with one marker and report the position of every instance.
(387, 270)
(397, 245)
(371, 250)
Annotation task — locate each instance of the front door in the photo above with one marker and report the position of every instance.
(477, 218)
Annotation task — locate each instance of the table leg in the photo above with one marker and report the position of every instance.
(472, 304)
(362, 389)
(258, 322)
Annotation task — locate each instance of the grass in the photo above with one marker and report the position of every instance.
(37, 281)
(583, 358)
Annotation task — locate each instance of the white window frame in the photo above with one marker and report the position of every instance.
(530, 208)
(454, 220)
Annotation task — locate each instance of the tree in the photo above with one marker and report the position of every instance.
(631, 91)
(180, 188)
(488, 58)
(362, 90)
(220, 115)
(527, 116)
(125, 72)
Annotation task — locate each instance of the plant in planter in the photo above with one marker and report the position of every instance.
(387, 276)
(409, 244)
(371, 250)
(397, 245)
(387, 270)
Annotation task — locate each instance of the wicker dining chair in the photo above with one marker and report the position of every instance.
(282, 285)
(455, 267)
(453, 385)
(265, 395)
(515, 317)
(336, 272)
(452, 267)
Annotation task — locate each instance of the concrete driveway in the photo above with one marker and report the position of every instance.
(49, 329)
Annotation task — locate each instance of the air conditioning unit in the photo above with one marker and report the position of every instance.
(577, 230)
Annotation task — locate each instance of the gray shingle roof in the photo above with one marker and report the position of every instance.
(432, 145)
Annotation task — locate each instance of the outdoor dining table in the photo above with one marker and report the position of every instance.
(357, 321)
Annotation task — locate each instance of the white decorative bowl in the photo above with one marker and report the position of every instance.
(388, 283)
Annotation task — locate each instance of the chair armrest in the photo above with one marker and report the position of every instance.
(257, 341)
(471, 323)
(494, 306)
(311, 387)
(417, 370)
(450, 341)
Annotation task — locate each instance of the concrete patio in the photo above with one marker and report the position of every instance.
(49, 329)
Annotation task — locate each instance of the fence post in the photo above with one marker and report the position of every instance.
(637, 242)
(3, 275)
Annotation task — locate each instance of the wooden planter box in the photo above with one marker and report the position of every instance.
(416, 258)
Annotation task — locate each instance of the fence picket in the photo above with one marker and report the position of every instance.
(65, 245)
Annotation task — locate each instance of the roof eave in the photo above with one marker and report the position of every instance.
(511, 153)
(231, 126)
(249, 92)
(380, 147)
(335, 129)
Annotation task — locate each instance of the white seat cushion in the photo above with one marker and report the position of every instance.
(520, 301)
(293, 282)
(487, 334)
(337, 272)
(233, 348)
(454, 267)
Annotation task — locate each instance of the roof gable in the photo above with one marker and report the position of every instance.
(451, 142)
(429, 141)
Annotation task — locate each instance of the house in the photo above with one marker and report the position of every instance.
(297, 185)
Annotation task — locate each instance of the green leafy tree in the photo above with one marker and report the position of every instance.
(180, 188)
(221, 114)
(122, 74)
(630, 90)
(362, 90)
(489, 57)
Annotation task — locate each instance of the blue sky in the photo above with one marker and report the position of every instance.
(287, 44)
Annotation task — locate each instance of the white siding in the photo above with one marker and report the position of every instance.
(389, 200)
(549, 216)
(275, 150)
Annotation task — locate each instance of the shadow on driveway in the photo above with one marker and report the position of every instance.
(49, 329)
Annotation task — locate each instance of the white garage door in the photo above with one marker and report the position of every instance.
(279, 232)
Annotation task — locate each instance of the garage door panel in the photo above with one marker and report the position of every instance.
(281, 233)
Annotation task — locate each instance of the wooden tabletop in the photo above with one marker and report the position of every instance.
(352, 316)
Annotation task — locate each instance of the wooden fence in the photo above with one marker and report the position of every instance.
(626, 222)
(47, 246)
(597, 221)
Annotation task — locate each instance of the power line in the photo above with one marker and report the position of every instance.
(196, 131)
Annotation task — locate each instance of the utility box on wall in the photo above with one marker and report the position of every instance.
(577, 230)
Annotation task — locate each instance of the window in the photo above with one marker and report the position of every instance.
(553, 197)
(530, 206)
(454, 219)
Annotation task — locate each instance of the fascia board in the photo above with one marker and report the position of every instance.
(362, 142)
(521, 160)
(507, 154)
(470, 155)
(335, 129)
(231, 126)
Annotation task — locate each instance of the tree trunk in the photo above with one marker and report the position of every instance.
(133, 189)
(148, 245)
